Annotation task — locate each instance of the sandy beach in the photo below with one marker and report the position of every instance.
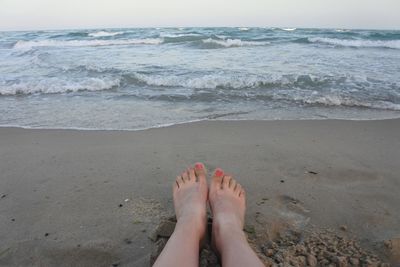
(92, 198)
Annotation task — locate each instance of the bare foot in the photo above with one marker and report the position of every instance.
(190, 199)
(228, 205)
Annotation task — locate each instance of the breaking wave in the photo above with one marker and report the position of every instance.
(57, 85)
(211, 81)
(336, 100)
(77, 43)
(104, 34)
(204, 41)
(394, 44)
(214, 43)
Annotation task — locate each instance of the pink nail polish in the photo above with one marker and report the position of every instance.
(199, 166)
(219, 172)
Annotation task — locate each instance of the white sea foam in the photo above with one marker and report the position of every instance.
(288, 29)
(211, 81)
(342, 30)
(335, 100)
(57, 43)
(394, 44)
(58, 85)
(104, 34)
(171, 35)
(214, 81)
(244, 29)
(234, 42)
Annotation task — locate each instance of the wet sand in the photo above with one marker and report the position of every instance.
(93, 198)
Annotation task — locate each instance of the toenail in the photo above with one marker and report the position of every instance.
(199, 166)
(219, 172)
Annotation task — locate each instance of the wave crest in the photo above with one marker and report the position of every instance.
(56, 85)
(211, 81)
(77, 43)
(232, 81)
(214, 43)
(104, 34)
(336, 100)
(394, 44)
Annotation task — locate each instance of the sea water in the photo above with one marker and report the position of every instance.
(150, 77)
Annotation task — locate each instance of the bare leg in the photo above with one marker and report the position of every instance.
(190, 201)
(228, 205)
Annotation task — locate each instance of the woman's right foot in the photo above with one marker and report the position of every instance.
(190, 199)
(228, 204)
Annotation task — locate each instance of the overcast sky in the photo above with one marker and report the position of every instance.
(66, 14)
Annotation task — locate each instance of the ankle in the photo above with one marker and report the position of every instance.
(192, 226)
(226, 231)
(226, 222)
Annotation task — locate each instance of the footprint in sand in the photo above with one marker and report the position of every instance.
(293, 210)
(293, 204)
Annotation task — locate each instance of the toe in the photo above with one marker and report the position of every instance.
(217, 178)
(242, 193)
(201, 172)
(185, 176)
(178, 182)
(175, 186)
(238, 189)
(192, 175)
(226, 180)
(232, 184)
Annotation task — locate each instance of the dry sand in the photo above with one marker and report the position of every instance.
(93, 198)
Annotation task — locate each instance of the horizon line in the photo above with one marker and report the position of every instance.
(170, 27)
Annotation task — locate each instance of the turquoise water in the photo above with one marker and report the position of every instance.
(141, 78)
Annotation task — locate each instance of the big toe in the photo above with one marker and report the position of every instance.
(201, 172)
(216, 180)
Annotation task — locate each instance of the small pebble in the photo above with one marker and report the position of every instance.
(46, 234)
(127, 241)
(311, 260)
(269, 252)
(120, 205)
(354, 261)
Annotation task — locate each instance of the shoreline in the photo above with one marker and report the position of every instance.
(186, 123)
(72, 197)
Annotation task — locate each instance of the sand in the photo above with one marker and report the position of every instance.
(93, 198)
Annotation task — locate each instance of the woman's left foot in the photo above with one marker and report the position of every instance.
(190, 199)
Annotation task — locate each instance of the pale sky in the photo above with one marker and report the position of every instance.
(73, 14)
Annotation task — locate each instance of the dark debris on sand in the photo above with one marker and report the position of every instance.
(318, 248)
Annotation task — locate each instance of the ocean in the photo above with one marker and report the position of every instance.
(128, 79)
